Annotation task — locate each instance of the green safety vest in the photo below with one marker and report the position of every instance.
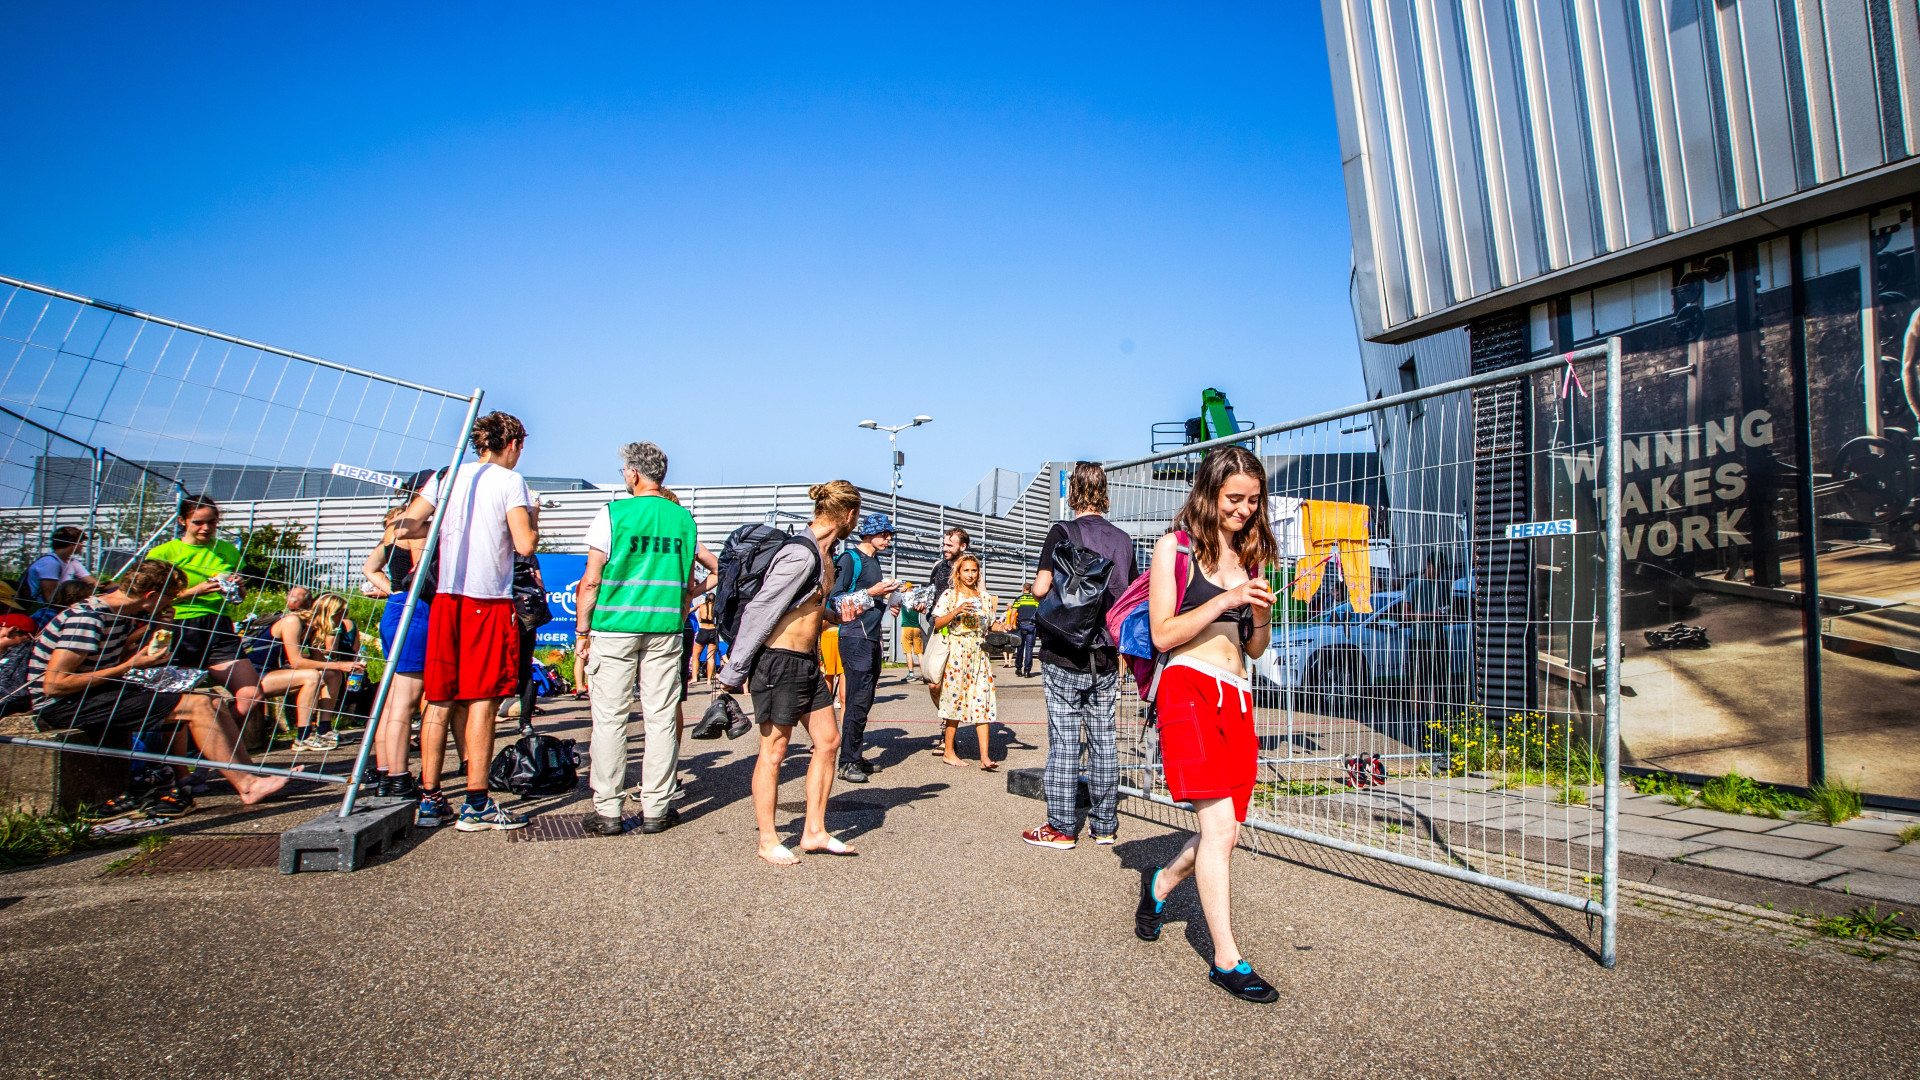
(643, 589)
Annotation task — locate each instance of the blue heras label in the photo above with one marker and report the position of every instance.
(1525, 529)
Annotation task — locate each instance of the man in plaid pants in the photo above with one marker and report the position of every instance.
(1082, 685)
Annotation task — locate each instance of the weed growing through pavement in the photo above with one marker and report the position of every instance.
(1834, 801)
(1910, 834)
(27, 837)
(1524, 749)
(1729, 794)
(1571, 795)
(1866, 924)
(150, 845)
(1391, 827)
(1274, 789)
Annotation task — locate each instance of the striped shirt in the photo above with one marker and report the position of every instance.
(100, 634)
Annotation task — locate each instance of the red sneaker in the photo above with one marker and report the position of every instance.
(1048, 836)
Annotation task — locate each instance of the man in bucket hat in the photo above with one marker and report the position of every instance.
(856, 570)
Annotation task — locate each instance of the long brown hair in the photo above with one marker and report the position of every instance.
(980, 582)
(1200, 517)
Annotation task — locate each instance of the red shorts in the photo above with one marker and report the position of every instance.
(1207, 741)
(473, 649)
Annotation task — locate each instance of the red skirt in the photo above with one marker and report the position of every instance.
(1207, 741)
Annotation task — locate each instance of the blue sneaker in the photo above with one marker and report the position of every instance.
(433, 811)
(487, 815)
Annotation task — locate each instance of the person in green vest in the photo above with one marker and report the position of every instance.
(629, 611)
(204, 631)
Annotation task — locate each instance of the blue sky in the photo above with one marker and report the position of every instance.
(737, 233)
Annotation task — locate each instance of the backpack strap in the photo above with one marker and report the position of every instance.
(1182, 575)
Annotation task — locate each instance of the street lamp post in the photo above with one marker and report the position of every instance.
(896, 459)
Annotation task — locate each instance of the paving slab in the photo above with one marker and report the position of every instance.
(1556, 827)
(1646, 806)
(1657, 847)
(1663, 827)
(1889, 826)
(1880, 862)
(1761, 864)
(1700, 815)
(1900, 890)
(1827, 834)
(1767, 842)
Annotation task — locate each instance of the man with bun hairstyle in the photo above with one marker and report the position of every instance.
(775, 654)
(473, 638)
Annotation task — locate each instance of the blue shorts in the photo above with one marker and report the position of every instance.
(412, 659)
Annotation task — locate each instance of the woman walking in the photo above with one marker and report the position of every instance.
(966, 687)
(1209, 624)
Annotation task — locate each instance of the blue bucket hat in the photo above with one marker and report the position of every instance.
(874, 525)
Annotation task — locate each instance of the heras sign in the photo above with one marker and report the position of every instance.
(1524, 530)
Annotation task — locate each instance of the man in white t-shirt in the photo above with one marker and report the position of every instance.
(54, 569)
(473, 638)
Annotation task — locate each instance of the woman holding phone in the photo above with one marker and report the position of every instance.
(966, 687)
(1204, 701)
(204, 625)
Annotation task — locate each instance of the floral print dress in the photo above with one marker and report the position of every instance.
(966, 686)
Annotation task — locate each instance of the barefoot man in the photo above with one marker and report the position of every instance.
(775, 656)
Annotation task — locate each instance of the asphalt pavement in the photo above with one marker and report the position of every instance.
(946, 948)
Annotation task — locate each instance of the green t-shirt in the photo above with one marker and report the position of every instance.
(650, 543)
(199, 564)
(909, 617)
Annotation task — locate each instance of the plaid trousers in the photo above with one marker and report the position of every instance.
(1081, 704)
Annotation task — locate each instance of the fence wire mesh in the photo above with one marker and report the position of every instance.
(109, 417)
(1434, 692)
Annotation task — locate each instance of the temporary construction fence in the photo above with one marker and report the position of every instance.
(110, 416)
(1441, 691)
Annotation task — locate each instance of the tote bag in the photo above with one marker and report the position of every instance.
(933, 662)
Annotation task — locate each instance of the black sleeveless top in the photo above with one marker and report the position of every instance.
(1200, 590)
(399, 567)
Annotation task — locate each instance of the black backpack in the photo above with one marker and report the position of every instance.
(744, 559)
(1074, 611)
(536, 765)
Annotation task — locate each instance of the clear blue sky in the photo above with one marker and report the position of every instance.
(737, 233)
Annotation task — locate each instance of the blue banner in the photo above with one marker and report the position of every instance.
(561, 574)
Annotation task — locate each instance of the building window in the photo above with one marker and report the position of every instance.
(1409, 382)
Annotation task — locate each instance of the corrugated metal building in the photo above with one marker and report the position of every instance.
(1730, 188)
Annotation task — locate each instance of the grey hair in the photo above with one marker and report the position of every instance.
(646, 459)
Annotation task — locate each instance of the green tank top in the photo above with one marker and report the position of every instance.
(643, 587)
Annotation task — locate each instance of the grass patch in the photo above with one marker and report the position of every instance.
(1834, 801)
(1866, 924)
(1571, 795)
(1526, 749)
(1273, 789)
(1392, 828)
(1910, 834)
(1667, 786)
(150, 845)
(27, 838)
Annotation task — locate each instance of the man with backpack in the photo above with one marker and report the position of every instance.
(1082, 682)
(630, 610)
(855, 570)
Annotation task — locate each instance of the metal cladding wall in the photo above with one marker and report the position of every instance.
(1497, 153)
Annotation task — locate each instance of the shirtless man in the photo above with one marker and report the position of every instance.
(775, 653)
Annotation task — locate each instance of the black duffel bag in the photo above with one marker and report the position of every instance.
(536, 765)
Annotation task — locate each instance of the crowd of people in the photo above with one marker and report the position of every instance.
(807, 651)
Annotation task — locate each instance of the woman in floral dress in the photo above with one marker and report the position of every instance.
(966, 687)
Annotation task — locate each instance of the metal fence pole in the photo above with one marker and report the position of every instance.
(93, 506)
(1610, 813)
(406, 619)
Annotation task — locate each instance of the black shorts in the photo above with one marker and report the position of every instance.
(109, 705)
(787, 686)
(205, 641)
(707, 636)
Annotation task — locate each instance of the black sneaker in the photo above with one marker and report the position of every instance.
(403, 786)
(738, 722)
(712, 722)
(866, 766)
(1150, 913)
(852, 773)
(174, 802)
(120, 806)
(662, 823)
(1244, 983)
(600, 825)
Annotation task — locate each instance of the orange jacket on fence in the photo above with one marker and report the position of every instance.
(1333, 530)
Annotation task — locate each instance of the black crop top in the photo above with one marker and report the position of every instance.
(1200, 590)
(399, 567)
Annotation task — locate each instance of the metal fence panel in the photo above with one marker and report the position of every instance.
(1420, 703)
(109, 415)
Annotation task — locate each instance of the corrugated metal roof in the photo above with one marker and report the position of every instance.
(1496, 153)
